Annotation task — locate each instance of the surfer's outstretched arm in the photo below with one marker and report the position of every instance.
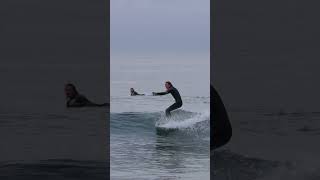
(159, 93)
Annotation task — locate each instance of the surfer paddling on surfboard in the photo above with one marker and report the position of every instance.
(74, 99)
(135, 93)
(176, 95)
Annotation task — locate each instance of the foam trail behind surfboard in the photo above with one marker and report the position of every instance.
(174, 123)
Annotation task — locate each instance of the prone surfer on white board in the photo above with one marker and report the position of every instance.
(135, 93)
(176, 95)
(74, 99)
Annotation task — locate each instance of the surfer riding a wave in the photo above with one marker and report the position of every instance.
(221, 129)
(176, 95)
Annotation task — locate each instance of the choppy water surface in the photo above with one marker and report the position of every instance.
(270, 144)
(39, 137)
(150, 146)
(67, 144)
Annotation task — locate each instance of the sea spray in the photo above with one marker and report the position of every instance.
(191, 123)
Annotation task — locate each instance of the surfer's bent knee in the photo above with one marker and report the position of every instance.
(168, 113)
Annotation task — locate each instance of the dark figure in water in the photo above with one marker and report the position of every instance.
(134, 93)
(220, 126)
(176, 95)
(74, 99)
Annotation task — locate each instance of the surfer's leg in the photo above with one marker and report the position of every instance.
(168, 112)
(172, 107)
(169, 109)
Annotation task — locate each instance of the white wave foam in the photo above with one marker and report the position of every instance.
(183, 120)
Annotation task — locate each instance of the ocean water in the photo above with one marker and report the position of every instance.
(39, 137)
(144, 144)
(266, 68)
(270, 144)
(43, 46)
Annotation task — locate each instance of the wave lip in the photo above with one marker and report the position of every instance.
(184, 120)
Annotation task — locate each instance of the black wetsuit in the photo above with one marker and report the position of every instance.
(176, 95)
(221, 130)
(82, 101)
(134, 93)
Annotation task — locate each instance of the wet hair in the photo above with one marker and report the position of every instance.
(168, 82)
(73, 87)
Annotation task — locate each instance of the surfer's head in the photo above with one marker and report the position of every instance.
(70, 90)
(131, 90)
(168, 84)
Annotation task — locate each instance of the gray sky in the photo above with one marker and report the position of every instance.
(160, 26)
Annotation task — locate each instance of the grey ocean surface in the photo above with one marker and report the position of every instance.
(45, 44)
(270, 144)
(40, 137)
(266, 69)
(143, 143)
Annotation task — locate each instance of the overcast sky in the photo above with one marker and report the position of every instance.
(160, 26)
